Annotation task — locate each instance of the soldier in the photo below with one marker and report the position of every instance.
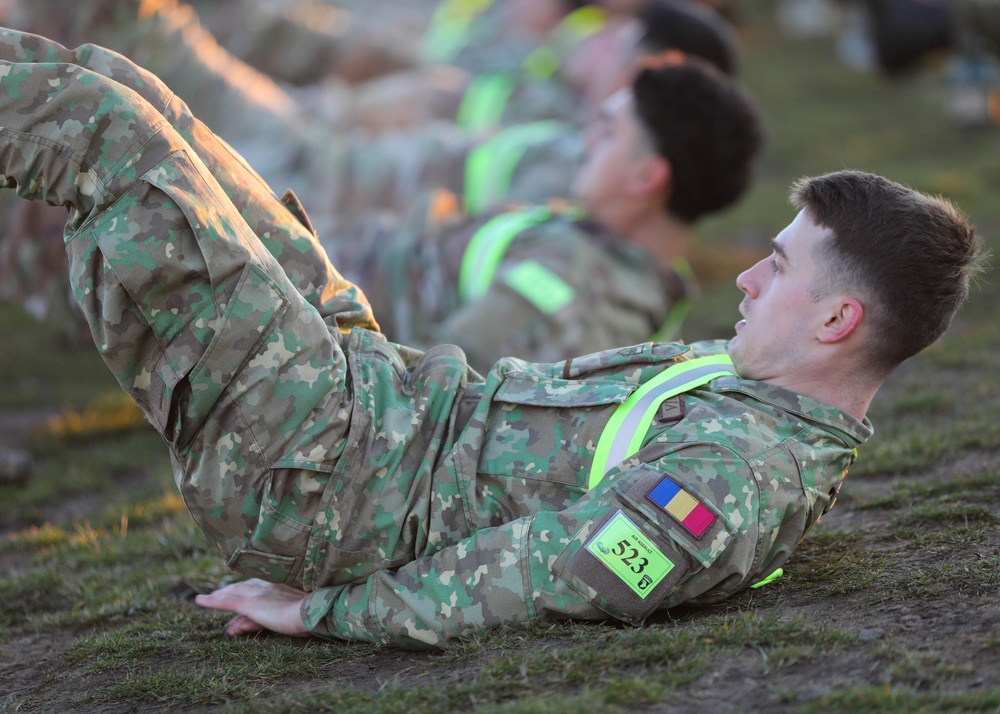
(395, 496)
(621, 292)
(368, 39)
(551, 281)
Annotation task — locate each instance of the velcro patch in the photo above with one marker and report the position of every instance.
(622, 568)
(682, 506)
(540, 286)
(624, 550)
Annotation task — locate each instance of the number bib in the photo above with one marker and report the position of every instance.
(630, 555)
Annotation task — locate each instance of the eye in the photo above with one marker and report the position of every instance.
(775, 268)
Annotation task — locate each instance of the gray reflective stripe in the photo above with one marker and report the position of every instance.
(633, 419)
(628, 426)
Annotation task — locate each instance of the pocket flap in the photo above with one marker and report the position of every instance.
(540, 391)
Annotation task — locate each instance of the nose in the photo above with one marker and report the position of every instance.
(748, 282)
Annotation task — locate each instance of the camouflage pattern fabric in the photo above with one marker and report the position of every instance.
(338, 175)
(337, 172)
(317, 39)
(564, 287)
(419, 502)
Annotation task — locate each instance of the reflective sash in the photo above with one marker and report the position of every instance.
(489, 168)
(625, 431)
(489, 244)
(679, 310)
(484, 102)
(449, 29)
(577, 26)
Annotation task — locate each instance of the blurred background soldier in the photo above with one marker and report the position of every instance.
(553, 281)
(341, 174)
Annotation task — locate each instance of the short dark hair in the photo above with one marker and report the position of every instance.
(910, 256)
(692, 28)
(704, 125)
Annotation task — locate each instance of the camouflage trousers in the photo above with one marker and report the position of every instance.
(207, 297)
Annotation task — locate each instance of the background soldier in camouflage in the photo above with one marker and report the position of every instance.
(394, 496)
(547, 282)
(338, 178)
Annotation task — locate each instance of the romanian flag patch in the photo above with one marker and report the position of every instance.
(680, 504)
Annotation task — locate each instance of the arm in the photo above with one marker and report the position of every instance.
(556, 564)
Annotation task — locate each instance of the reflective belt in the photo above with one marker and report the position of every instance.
(489, 168)
(625, 431)
(449, 30)
(489, 244)
(679, 310)
(571, 31)
(484, 102)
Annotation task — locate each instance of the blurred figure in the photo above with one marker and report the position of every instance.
(340, 174)
(897, 37)
(549, 282)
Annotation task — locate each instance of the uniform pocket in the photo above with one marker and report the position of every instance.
(622, 565)
(250, 314)
(543, 427)
(277, 546)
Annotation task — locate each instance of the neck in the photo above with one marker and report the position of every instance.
(838, 388)
(665, 236)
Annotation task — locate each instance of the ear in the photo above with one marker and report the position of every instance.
(842, 320)
(652, 176)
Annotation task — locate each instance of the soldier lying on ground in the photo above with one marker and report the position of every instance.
(396, 496)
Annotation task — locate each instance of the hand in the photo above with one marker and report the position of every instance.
(259, 605)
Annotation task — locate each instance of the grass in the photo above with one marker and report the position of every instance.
(99, 559)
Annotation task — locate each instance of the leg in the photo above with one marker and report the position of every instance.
(195, 318)
(295, 247)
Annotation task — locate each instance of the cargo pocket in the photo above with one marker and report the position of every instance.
(250, 315)
(277, 547)
(658, 531)
(544, 427)
(621, 565)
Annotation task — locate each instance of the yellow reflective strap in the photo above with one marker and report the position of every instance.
(490, 167)
(577, 26)
(679, 310)
(769, 579)
(448, 31)
(540, 286)
(629, 424)
(484, 102)
(489, 244)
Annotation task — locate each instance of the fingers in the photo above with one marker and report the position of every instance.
(235, 596)
(242, 625)
(259, 605)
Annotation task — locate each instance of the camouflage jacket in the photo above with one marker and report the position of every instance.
(497, 525)
(563, 287)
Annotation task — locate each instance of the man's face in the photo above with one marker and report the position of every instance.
(603, 63)
(781, 315)
(615, 144)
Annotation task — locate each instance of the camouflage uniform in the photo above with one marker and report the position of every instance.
(317, 39)
(564, 286)
(337, 174)
(417, 501)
